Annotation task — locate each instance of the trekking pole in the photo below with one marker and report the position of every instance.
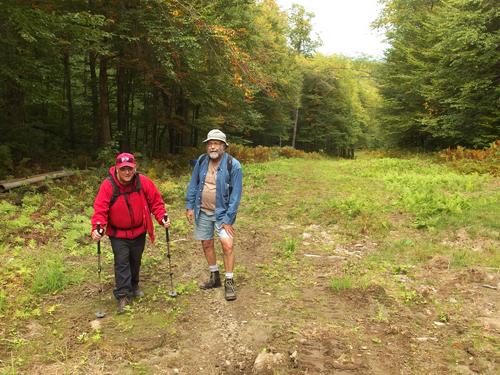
(99, 313)
(172, 292)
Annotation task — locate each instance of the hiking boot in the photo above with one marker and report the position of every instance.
(122, 304)
(213, 282)
(230, 290)
(138, 293)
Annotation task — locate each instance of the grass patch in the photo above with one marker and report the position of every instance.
(3, 302)
(409, 296)
(396, 219)
(341, 283)
(186, 288)
(349, 207)
(50, 276)
(279, 271)
(288, 247)
(381, 315)
(460, 259)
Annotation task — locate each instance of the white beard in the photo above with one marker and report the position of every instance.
(213, 155)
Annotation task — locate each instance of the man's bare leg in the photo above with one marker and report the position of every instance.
(209, 250)
(227, 249)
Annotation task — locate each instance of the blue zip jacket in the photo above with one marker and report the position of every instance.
(227, 190)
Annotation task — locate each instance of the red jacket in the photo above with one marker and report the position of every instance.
(132, 220)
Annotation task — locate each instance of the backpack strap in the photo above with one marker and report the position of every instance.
(198, 162)
(229, 164)
(229, 161)
(116, 189)
(201, 159)
(137, 182)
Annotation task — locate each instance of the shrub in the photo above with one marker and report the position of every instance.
(250, 154)
(493, 151)
(474, 161)
(290, 152)
(261, 154)
(107, 154)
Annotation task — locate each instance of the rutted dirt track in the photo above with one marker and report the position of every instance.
(287, 318)
(302, 325)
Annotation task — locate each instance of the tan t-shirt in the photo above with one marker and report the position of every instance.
(208, 193)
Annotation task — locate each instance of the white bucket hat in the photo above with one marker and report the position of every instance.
(216, 134)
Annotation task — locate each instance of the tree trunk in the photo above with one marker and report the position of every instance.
(69, 100)
(168, 114)
(186, 105)
(142, 123)
(295, 126)
(95, 97)
(14, 106)
(194, 128)
(145, 127)
(11, 184)
(121, 106)
(171, 140)
(104, 125)
(130, 112)
(154, 132)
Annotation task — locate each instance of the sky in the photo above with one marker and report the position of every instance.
(344, 25)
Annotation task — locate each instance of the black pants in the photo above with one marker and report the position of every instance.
(128, 256)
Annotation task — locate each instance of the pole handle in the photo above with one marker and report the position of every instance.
(165, 219)
(100, 231)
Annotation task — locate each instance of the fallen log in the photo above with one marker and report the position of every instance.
(11, 184)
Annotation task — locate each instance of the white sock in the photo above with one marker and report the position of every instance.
(229, 275)
(213, 268)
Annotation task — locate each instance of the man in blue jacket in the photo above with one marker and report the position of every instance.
(212, 201)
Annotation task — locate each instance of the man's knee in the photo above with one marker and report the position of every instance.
(207, 244)
(227, 246)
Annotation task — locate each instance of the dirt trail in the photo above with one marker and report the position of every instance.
(307, 329)
(219, 337)
(287, 318)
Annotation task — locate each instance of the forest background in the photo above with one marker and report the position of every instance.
(386, 264)
(81, 80)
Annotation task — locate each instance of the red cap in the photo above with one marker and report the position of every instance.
(125, 160)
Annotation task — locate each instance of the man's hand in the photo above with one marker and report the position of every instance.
(97, 234)
(190, 216)
(166, 221)
(229, 229)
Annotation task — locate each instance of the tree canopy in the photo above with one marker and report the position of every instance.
(441, 75)
(83, 77)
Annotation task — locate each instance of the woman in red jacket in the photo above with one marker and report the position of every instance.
(123, 208)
